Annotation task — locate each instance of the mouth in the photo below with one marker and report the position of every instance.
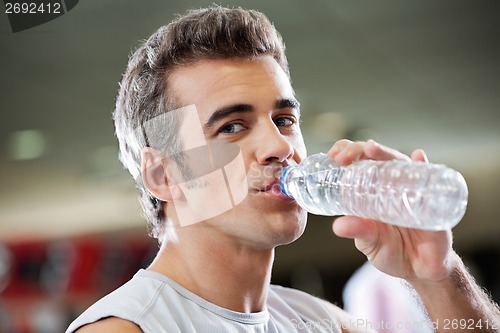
(274, 190)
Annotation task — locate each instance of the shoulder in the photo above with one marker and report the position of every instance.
(110, 325)
(317, 310)
(296, 299)
(348, 323)
(118, 311)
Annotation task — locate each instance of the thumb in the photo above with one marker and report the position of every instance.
(365, 233)
(355, 227)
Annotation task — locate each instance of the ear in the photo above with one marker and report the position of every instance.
(155, 176)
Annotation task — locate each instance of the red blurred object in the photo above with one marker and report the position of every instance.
(53, 281)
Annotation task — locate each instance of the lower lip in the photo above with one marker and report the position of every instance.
(275, 192)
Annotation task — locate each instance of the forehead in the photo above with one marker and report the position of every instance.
(210, 84)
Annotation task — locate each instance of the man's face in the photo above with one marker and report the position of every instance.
(248, 104)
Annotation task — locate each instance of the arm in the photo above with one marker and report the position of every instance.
(110, 325)
(476, 312)
(424, 258)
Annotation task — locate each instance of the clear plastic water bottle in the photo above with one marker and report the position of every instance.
(409, 194)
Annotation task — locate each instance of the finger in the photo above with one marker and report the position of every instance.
(337, 148)
(376, 151)
(419, 155)
(355, 227)
(351, 151)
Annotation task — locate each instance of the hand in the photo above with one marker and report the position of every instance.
(411, 254)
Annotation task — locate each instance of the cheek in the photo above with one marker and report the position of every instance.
(299, 146)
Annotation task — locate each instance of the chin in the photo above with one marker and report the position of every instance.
(268, 224)
(290, 229)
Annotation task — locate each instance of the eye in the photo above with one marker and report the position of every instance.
(284, 121)
(231, 128)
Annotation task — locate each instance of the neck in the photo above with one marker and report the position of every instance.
(217, 268)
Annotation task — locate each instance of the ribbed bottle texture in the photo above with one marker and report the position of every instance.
(409, 194)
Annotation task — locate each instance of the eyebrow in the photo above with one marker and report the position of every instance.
(284, 103)
(224, 112)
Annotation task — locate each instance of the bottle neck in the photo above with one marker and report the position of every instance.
(285, 176)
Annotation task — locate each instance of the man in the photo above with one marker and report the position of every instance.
(213, 80)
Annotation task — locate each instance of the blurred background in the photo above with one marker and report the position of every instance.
(411, 75)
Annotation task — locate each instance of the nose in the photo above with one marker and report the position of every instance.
(273, 146)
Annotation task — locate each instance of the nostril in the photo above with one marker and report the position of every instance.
(274, 148)
(273, 159)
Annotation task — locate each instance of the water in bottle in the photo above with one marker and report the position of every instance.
(409, 194)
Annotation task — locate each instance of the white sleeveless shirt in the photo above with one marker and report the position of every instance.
(157, 304)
